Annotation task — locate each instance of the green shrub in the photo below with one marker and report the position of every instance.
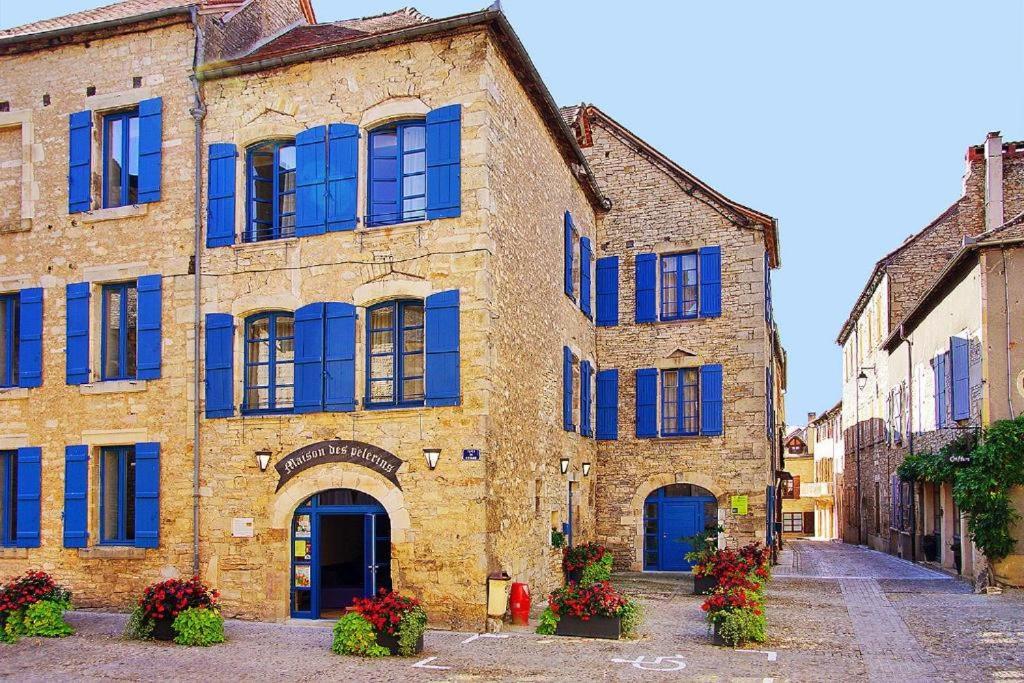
(354, 635)
(548, 622)
(138, 626)
(14, 626)
(410, 627)
(631, 614)
(597, 571)
(46, 619)
(199, 626)
(740, 626)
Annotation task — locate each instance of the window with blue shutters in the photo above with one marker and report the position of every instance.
(8, 498)
(10, 332)
(680, 402)
(395, 354)
(398, 173)
(687, 400)
(960, 362)
(119, 341)
(117, 495)
(679, 286)
(607, 276)
(271, 187)
(269, 363)
(121, 158)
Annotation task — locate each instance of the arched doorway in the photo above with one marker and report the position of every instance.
(340, 549)
(671, 514)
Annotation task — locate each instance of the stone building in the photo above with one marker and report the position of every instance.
(825, 434)
(271, 287)
(874, 403)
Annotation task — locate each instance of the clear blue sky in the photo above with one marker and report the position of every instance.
(848, 122)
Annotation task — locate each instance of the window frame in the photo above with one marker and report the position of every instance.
(794, 521)
(122, 333)
(271, 363)
(398, 354)
(9, 338)
(125, 454)
(251, 234)
(398, 128)
(680, 401)
(679, 287)
(125, 116)
(9, 500)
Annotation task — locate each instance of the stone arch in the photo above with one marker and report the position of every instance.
(371, 293)
(652, 484)
(393, 109)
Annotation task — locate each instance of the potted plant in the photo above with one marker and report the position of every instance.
(702, 545)
(163, 602)
(33, 604)
(586, 563)
(735, 609)
(386, 624)
(593, 611)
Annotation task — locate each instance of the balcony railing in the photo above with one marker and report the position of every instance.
(816, 489)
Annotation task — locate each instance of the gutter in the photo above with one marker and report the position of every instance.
(183, 10)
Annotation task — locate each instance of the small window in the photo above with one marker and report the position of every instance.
(398, 173)
(120, 331)
(680, 403)
(117, 495)
(269, 363)
(121, 159)
(793, 522)
(679, 286)
(271, 191)
(395, 354)
(9, 313)
(8, 498)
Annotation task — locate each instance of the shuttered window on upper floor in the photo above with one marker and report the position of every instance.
(678, 286)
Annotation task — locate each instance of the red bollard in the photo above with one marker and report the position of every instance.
(520, 604)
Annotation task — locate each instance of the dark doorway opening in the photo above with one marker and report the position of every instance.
(342, 545)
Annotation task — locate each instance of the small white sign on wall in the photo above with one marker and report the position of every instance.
(242, 527)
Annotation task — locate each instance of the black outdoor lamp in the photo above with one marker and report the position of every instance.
(564, 465)
(263, 459)
(862, 378)
(432, 455)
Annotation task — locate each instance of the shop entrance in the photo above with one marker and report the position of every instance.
(341, 550)
(671, 515)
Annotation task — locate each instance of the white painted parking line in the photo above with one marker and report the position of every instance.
(670, 663)
(772, 656)
(475, 636)
(425, 664)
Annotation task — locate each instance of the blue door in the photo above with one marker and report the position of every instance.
(672, 514)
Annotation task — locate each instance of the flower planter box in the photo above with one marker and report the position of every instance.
(704, 584)
(391, 643)
(163, 629)
(596, 627)
(716, 638)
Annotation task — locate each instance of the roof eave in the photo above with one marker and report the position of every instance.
(184, 10)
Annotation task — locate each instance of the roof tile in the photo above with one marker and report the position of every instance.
(118, 10)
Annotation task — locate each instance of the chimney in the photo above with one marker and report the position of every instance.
(993, 180)
(811, 417)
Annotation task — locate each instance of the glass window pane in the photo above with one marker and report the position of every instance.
(286, 158)
(382, 318)
(109, 493)
(380, 342)
(5, 338)
(381, 391)
(285, 374)
(415, 138)
(287, 203)
(114, 145)
(284, 397)
(129, 496)
(384, 141)
(412, 365)
(131, 325)
(285, 326)
(133, 160)
(412, 315)
(259, 328)
(414, 185)
(258, 352)
(112, 331)
(263, 164)
(414, 163)
(412, 340)
(412, 389)
(382, 367)
(256, 397)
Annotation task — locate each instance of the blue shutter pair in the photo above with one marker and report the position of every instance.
(326, 171)
(148, 340)
(959, 356)
(607, 291)
(147, 495)
(325, 358)
(710, 284)
(150, 155)
(710, 401)
(585, 398)
(585, 255)
(940, 390)
(608, 405)
(568, 245)
(567, 423)
(28, 494)
(30, 337)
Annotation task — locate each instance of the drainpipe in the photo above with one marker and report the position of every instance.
(198, 112)
(910, 440)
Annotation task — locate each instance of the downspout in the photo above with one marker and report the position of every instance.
(910, 441)
(198, 112)
(1009, 342)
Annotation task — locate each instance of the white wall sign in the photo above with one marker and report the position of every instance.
(242, 527)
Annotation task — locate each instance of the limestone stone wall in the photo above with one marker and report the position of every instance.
(99, 246)
(652, 213)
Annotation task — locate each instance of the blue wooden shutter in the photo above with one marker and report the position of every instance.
(711, 400)
(767, 288)
(220, 359)
(608, 404)
(444, 164)
(646, 402)
(76, 488)
(340, 357)
(80, 162)
(30, 476)
(30, 337)
(311, 182)
(309, 358)
(441, 319)
(940, 390)
(342, 174)
(585, 253)
(646, 277)
(961, 378)
(150, 149)
(149, 338)
(147, 495)
(220, 188)
(569, 245)
(608, 291)
(585, 398)
(77, 325)
(567, 423)
(710, 282)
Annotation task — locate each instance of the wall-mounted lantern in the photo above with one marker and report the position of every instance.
(586, 469)
(564, 465)
(432, 455)
(263, 459)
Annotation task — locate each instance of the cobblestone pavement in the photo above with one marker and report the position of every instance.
(891, 622)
